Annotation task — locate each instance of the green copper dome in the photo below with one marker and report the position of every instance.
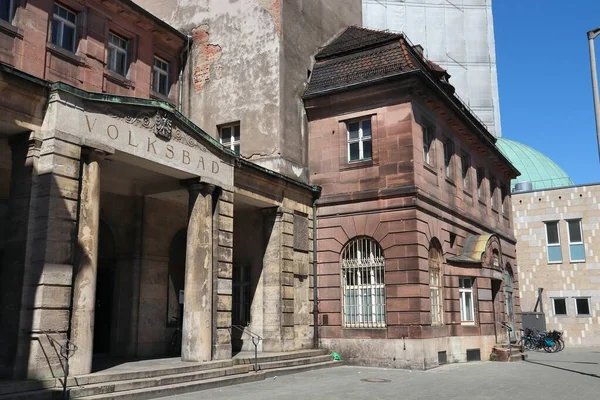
(542, 172)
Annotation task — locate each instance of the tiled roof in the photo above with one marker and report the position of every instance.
(361, 55)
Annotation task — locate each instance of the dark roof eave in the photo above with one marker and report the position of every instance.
(358, 85)
(9, 69)
(135, 101)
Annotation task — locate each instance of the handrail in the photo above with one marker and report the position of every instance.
(256, 338)
(66, 351)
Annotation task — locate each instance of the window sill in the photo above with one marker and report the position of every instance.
(375, 328)
(468, 323)
(119, 79)
(65, 54)
(583, 316)
(555, 262)
(429, 168)
(10, 29)
(576, 261)
(161, 97)
(358, 164)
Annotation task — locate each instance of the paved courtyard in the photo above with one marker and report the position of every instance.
(571, 374)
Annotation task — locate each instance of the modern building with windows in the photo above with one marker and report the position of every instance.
(458, 36)
(556, 230)
(416, 252)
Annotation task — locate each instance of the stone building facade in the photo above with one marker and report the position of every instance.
(556, 230)
(117, 211)
(249, 62)
(416, 252)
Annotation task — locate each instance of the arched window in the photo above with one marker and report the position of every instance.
(363, 285)
(436, 261)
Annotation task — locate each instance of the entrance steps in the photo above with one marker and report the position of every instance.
(171, 377)
(508, 352)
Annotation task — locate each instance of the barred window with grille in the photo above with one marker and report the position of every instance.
(435, 283)
(363, 284)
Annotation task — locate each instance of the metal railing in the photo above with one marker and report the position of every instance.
(66, 351)
(256, 338)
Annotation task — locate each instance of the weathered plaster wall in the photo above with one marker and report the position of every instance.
(306, 26)
(249, 64)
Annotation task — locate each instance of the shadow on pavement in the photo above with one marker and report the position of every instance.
(563, 369)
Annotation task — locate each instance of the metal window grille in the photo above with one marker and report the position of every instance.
(435, 286)
(363, 284)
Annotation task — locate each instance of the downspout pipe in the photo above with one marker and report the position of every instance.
(316, 195)
(184, 50)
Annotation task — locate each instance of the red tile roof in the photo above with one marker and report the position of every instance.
(360, 55)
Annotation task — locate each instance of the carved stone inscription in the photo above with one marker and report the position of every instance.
(152, 136)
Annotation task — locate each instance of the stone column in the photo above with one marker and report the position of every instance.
(272, 280)
(84, 288)
(197, 304)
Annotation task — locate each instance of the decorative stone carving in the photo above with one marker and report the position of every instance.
(159, 123)
(163, 125)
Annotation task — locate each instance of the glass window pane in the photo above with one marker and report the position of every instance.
(354, 151)
(68, 40)
(468, 306)
(236, 133)
(366, 128)
(226, 135)
(121, 63)
(111, 59)
(577, 252)
(71, 17)
(552, 230)
(55, 28)
(162, 84)
(560, 307)
(583, 306)
(554, 254)
(575, 231)
(367, 149)
(236, 148)
(353, 130)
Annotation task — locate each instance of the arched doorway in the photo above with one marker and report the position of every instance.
(508, 301)
(105, 282)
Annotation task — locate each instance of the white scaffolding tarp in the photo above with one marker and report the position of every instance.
(456, 34)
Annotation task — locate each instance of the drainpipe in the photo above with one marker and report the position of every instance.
(185, 49)
(316, 195)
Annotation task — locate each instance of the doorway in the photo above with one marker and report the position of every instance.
(508, 295)
(105, 282)
(501, 334)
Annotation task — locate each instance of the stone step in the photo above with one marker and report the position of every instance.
(35, 390)
(281, 357)
(180, 388)
(109, 388)
(150, 372)
(294, 362)
(518, 357)
(301, 368)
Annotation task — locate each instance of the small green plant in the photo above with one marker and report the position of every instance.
(493, 356)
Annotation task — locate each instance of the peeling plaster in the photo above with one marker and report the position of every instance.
(273, 7)
(208, 54)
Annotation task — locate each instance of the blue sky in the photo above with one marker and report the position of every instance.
(544, 80)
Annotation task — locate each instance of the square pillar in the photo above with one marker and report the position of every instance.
(223, 276)
(198, 289)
